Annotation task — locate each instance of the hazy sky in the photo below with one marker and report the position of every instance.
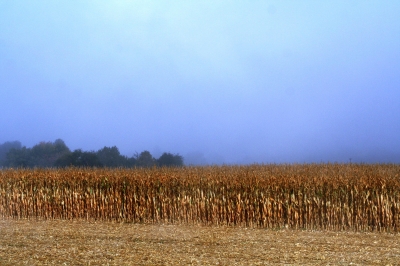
(215, 81)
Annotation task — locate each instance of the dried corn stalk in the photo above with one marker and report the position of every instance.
(309, 196)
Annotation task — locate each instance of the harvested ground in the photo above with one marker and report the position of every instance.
(63, 242)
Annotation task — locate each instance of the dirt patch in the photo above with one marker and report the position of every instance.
(63, 242)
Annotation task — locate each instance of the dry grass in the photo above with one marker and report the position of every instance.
(334, 197)
(75, 216)
(60, 242)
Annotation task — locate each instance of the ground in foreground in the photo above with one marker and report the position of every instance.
(84, 243)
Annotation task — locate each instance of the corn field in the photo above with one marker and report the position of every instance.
(359, 197)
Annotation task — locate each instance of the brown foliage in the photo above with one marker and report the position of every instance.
(310, 196)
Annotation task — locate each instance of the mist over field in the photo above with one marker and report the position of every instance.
(233, 82)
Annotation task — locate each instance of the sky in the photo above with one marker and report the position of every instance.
(218, 82)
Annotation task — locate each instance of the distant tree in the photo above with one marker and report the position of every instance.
(20, 158)
(145, 159)
(45, 154)
(110, 157)
(168, 159)
(79, 158)
(131, 161)
(60, 147)
(57, 154)
(5, 148)
(67, 159)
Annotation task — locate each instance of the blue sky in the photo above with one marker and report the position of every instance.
(215, 81)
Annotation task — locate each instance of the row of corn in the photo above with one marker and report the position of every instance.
(307, 196)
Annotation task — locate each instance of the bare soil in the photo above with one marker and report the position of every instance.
(61, 242)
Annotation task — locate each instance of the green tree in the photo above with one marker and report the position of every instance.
(60, 147)
(131, 162)
(5, 148)
(110, 157)
(169, 159)
(79, 158)
(45, 154)
(19, 158)
(145, 159)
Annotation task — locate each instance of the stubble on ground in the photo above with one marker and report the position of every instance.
(60, 242)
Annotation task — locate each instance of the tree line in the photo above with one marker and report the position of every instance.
(57, 154)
